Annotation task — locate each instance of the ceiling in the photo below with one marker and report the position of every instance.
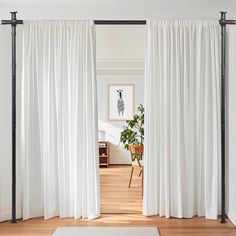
(123, 2)
(116, 9)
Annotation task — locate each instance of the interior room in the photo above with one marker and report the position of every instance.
(117, 118)
(120, 62)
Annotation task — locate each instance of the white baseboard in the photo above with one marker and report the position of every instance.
(232, 217)
(7, 216)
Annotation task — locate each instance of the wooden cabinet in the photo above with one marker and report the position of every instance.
(104, 153)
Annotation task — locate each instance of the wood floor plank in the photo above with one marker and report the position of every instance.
(116, 197)
(167, 227)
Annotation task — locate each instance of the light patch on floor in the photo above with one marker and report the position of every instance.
(106, 231)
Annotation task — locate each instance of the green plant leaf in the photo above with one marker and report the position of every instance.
(133, 132)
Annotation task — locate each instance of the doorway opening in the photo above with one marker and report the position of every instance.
(120, 78)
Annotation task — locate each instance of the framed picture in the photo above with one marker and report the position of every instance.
(121, 102)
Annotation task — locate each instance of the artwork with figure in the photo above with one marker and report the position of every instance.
(121, 102)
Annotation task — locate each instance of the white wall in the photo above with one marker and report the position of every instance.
(112, 129)
(231, 128)
(120, 60)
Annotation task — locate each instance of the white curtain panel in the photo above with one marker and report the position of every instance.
(59, 120)
(182, 119)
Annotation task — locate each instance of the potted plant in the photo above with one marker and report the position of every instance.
(133, 133)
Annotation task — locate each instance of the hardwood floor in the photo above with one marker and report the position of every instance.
(116, 197)
(166, 227)
(114, 194)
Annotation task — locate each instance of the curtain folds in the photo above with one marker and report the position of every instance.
(59, 120)
(182, 119)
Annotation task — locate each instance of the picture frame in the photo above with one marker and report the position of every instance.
(121, 102)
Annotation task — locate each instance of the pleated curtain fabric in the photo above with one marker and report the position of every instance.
(182, 119)
(59, 138)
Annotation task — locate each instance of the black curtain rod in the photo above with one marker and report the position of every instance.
(13, 22)
(223, 22)
(120, 22)
(227, 22)
(223, 91)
